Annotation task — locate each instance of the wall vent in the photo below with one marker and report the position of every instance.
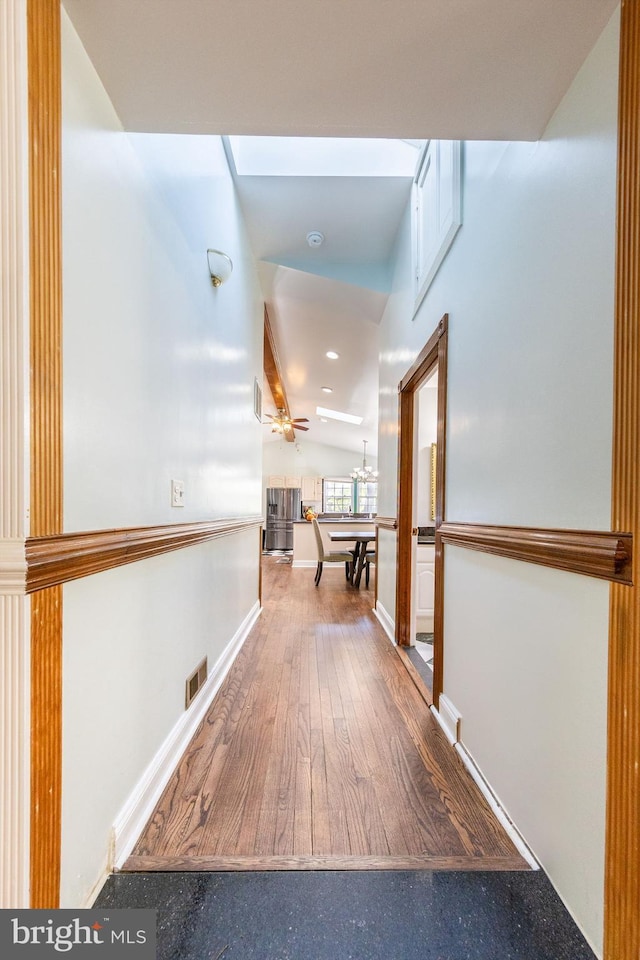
(195, 682)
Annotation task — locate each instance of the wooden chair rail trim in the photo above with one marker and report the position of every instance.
(57, 559)
(387, 523)
(594, 553)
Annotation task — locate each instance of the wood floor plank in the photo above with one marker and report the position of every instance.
(319, 753)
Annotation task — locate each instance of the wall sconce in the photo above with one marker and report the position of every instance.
(220, 267)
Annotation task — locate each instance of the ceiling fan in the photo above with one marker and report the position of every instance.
(281, 423)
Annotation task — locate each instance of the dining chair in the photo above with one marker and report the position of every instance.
(332, 556)
(369, 558)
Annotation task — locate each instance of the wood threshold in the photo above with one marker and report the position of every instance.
(54, 560)
(603, 554)
(419, 683)
(139, 864)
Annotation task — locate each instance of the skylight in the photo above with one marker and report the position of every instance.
(338, 415)
(324, 157)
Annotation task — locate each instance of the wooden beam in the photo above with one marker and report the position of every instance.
(273, 372)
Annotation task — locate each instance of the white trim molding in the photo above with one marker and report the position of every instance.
(14, 452)
(449, 718)
(499, 811)
(386, 621)
(13, 567)
(141, 803)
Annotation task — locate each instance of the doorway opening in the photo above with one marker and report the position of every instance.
(421, 495)
(424, 518)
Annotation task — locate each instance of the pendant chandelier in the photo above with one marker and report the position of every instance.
(364, 473)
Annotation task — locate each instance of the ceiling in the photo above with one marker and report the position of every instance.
(330, 297)
(459, 69)
(448, 69)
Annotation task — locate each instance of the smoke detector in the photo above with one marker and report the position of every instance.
(315, 238)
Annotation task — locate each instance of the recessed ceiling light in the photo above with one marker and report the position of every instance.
(327, 390)
(332, 355)
(315, 238)
(337, 415)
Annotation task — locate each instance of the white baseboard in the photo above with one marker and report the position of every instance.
(305, 563)
(386, 621)
(501, 815)
(91, 897)
(449, 718)
(140, 805)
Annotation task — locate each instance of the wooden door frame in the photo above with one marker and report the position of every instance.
(434, 353)
(622, 853)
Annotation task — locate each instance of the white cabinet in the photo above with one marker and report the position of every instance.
(424, 592)
(276, 480)
(312, 488)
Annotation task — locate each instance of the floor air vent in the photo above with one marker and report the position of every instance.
(195, 682)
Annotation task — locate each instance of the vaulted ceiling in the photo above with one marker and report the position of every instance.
(448, 69)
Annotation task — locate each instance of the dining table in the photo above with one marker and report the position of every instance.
(361, 539)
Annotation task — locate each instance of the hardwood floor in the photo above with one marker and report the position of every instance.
(319, 752)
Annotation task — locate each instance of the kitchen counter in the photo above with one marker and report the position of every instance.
(426, 535)
(340, 520)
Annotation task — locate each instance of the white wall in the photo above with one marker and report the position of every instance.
(529, 287)
(308, 459)
(158, 384)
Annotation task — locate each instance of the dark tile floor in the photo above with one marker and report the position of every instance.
(419, 663)
(369, 915)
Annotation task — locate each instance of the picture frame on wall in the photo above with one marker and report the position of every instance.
(257, 399)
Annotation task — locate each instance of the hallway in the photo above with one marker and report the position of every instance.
(319, 753)
(318, 764)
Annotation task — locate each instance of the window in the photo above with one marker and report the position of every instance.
(437, 211)
(347, 496)
(366, 497)
(337, 496)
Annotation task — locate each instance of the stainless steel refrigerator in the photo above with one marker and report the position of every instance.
(283, 507)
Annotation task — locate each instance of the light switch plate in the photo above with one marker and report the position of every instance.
(177, 493)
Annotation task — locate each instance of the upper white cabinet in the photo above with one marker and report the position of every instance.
(437, 210)
(277, 480)
(312, 488)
